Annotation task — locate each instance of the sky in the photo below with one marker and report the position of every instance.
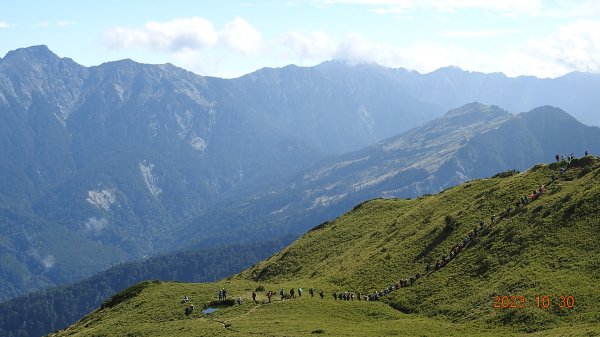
(230, 38)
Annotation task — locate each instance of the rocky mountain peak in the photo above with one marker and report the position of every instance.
(476, 108)
(33, 53)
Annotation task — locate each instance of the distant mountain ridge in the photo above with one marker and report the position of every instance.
(470, 142)
(124, 157)
(119, 155)
(439, 264)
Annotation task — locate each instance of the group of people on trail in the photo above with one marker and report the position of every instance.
(477, 230)
(533, 196)
(445, 259)
(293, 292)
(569, 158)
(188, 309)
(222, 294)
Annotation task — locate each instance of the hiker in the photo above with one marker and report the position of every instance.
(299, 292)
(322, 294)
(239, 300)
(254, 296)
(335, 295)
(224, 294)
(586, 153)
(188, 310)
(311, 292)
(493, 218)
(557, 157)
(269, 295)
(282, 293)
(220, 295)
(292, 294)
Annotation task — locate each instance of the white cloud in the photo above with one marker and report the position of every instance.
(4, 24)
(241, 36)
(402, 6)
(48, 261)
(310, 45)
(48, 24)
(65, 23)
(574, 47)
(186, 34)
(95, 225)
(484, 33)
(174, 35)
(354, 48)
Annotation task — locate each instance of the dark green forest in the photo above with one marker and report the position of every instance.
(42, 312)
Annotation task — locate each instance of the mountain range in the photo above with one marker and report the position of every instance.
(471, 142)
(474, 260)
(124, 160)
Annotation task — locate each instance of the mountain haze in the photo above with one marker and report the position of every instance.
(470, 142)
(546, 248)
(119, 155)
(124, 159)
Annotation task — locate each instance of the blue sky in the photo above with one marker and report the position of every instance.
(232, 38)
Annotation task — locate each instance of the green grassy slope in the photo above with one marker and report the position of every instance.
(546, 248)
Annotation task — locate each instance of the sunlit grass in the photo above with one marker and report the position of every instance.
(546, 248)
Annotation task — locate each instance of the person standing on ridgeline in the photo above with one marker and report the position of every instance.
(224, 294)
(557, 157)
(586, 153)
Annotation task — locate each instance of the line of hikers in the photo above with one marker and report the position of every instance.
(445, 259)
(569, 158)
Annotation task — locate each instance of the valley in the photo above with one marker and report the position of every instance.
(546, 247)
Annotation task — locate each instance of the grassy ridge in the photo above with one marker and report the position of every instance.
(546, 248)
